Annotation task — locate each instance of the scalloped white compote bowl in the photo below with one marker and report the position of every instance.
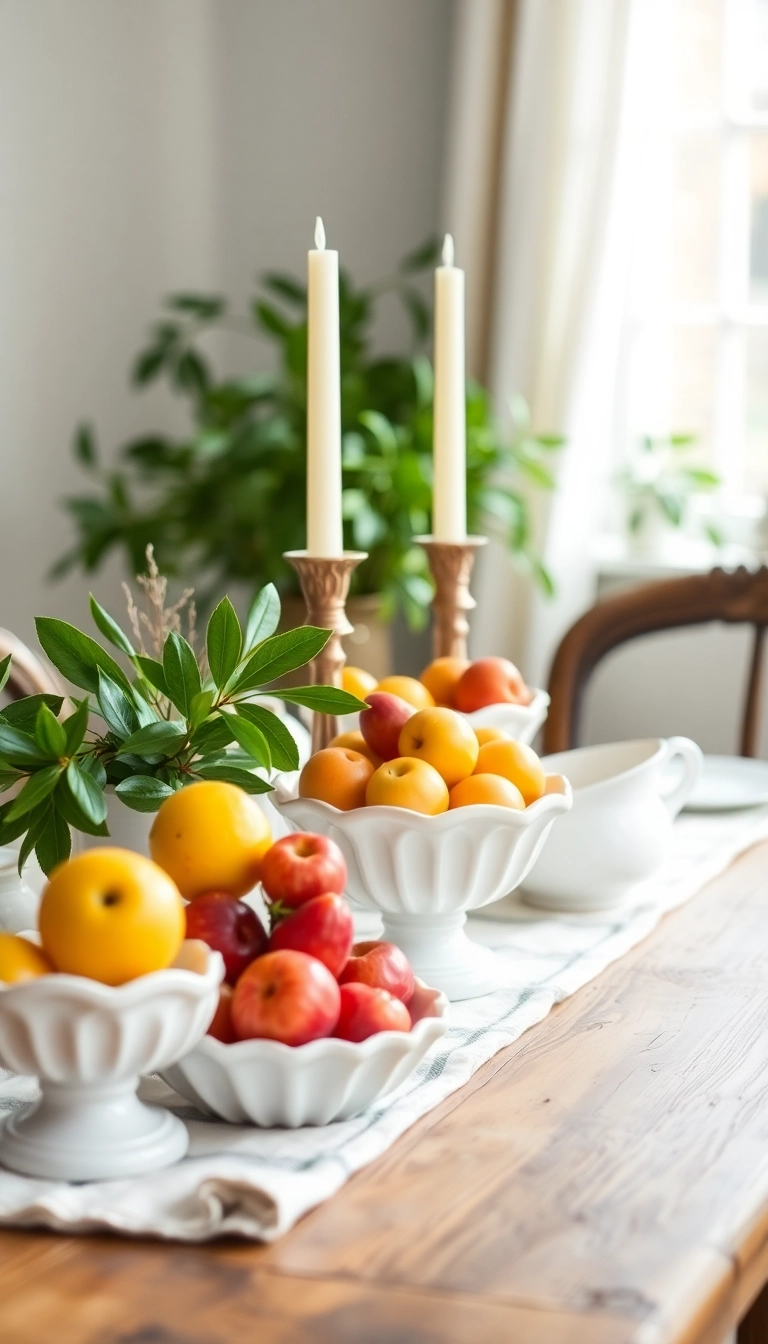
(87, 1043)
(521, 722)
(424, 873)
(266, 1083)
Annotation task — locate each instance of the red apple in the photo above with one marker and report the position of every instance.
(322, 928)
(490, 681)
(365, 1011)
(302, 866)
(286, 996)
(221, 1027)
(228, 926)
(381, 723)
(381, 965)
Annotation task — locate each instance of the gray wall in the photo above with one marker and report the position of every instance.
(150, 145)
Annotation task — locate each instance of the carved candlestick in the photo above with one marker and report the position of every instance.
(450, 563)
(325, 584)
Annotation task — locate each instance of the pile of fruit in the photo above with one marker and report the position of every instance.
(304, 979)
(427, 760)
(112, 915)
(454, 683)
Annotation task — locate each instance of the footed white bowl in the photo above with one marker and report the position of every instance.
(424, 873)
(522, 722)
(265, 1083)
(87, 1043)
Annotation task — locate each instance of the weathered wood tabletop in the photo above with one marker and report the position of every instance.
(602, 1181)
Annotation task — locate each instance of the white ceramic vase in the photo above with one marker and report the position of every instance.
(424, 873)
(87, 1043)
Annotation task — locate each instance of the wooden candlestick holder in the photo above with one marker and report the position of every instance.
(325, 584)
(450, 564)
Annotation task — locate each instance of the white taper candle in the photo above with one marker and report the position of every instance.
(324, 526)
(449, 505)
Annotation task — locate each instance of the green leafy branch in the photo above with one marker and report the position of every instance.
(153, 729)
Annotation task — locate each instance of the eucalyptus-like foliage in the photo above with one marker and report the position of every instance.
(223, 502)
(149, 726)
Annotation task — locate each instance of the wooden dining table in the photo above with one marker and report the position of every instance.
(604, 1180)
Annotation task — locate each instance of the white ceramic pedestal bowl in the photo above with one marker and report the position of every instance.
(424, 873)
(521, 722)
(87, 1043)
(266, 1083)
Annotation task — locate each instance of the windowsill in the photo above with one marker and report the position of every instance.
(615, 558)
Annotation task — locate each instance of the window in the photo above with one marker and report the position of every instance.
(694, 354)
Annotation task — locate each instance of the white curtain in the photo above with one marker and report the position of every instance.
(536, 197)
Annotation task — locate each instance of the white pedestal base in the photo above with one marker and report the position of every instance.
(91, 1134)
(443, 956)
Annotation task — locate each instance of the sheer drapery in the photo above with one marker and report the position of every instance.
(537, 211)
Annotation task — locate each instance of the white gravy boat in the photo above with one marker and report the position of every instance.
(618, 831)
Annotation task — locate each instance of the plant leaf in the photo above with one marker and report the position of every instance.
(23, 713)
(233, 774)
(11, 830)
(278, 655)
(72, 812)
(324, 699)
(252, 740)
(87, 793)
(153, 672)
(110, 629)
(263, 617)
(223, 641)
(75, 728)
(143, 793)
(18, 746)
(200, 708)
(156, 739)
(50, 735)
(5, 670)
(282, 746)
(37, 787)
(92, 766)
(77, 656)
(182, 675)
(116, 708)
(54, 843)
(37, 822)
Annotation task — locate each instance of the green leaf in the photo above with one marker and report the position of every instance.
(93, 766)
(324, 699)
(85, 447)
(282, 746)
(153, 671)
(75, 728)
(5, 670)
(37, 824)
(23, 713)
(143, 793)
(156, 739)
(50, 735)
(182, 675)
(37, 787)
(263, 617)
(278, 655)
(16, 746)
(72, 812)
(224, 641)
(11, 830)
(232, 774)
(252, 740)
(148, 365)
(77, 656)
(200, 708)
(110, 629)
(117, 709)
(425, 255)
(54, 843)
(87, 793)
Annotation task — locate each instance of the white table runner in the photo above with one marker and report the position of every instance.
(257, 1183)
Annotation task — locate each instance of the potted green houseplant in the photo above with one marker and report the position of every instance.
(154, 722)
(659, 485)
(222, 502)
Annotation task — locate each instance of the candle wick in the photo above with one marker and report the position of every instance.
(448, 250)
(319, 235)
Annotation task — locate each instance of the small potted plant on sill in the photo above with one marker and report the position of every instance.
(223, 502)
(659, 486)
(154, 723)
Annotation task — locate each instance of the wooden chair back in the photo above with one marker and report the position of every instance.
(739, 597)
(29, 675)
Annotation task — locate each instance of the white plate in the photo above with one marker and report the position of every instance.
(729, 783)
